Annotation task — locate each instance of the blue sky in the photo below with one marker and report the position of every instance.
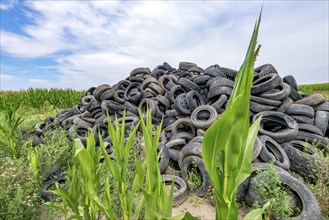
(80, 44)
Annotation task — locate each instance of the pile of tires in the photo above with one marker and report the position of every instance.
(190, 99)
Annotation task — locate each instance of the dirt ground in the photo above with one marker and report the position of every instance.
(201, 207)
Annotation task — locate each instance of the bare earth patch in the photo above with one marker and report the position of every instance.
(201, 207)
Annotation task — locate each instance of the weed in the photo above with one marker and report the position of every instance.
(194, 177)
(10, 137)
(320, 188)
(271, 189)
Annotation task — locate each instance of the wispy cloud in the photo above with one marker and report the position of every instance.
(6, 5)
(102, 41)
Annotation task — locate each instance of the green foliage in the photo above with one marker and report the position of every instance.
(35, 98)
(228, 144)
(33, 159)
(320, 188)
(257, 214)
(271, 188)
(10, 136)
(194, 178)
(310, 89)
(18, 196)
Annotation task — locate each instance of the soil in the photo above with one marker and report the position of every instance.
(202, 207)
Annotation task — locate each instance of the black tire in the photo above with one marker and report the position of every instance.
(48, 196)
(288, 127)
(265, 101)
(185, 169)
(256, 166)
(294, 94)
(265, 83)
(310, 128)
(303, 119)
(281, 92)
(173, 166)
(150, 104)
(264, 70)
(101, 129)
(312, 100)
(301, 110)
(188, 84)
(322, 142)
(54, 171)
(220, 81)
(131, 107)
(164, 157)
(133, 93)
(257, 149)
(140, 71)
(308, 205)
(181, 195)
(257, 107)
(205, 121)
(176, 144)
(174, 92)
(304, 158)
(214, 72)
(290, 80)
(285, 104)
(194, 99)
(181, 104)
(87, 99)
(186, 65)
(191, 149)
(119, 96)
(165, 79)
(230, 73)
(80, 132)
(322, 107)
(107, 95)
(100, 90)
(183, 125)
(272, 151)
(321, 120)
(216, 92)
(217, 102)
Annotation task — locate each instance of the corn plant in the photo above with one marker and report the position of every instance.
(10, 137)
(158, 203)
(118, 168)
(33, 158)
(228, 144)
(84, 180)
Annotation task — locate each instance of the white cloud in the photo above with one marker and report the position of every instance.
(6, 5)
(6, 77)
(104, 40)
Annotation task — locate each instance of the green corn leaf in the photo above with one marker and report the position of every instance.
(257, 214)
(183, 216)
(228, 143)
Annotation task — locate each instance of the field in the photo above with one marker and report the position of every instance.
(19, 195)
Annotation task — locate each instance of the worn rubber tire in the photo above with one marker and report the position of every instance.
(191, 149)
(301, 110)
(282, 135)
(48, 196)
(312, 100)
(309, 206)
(187, 162)
(163, 157)
(290, 80)
(272, 151)
(304, 158)
(321, 120)
(265, 83)
(181, 195)
(204, 123)
(280, 92)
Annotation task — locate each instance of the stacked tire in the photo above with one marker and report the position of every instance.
(189, 100)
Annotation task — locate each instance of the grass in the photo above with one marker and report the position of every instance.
(35, 98)
(310, 89)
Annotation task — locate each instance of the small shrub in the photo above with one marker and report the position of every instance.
(271, 189)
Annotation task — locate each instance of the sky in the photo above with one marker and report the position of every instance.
(81, 44)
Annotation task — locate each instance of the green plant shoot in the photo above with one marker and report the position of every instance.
(228, 144)
(33, 158)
